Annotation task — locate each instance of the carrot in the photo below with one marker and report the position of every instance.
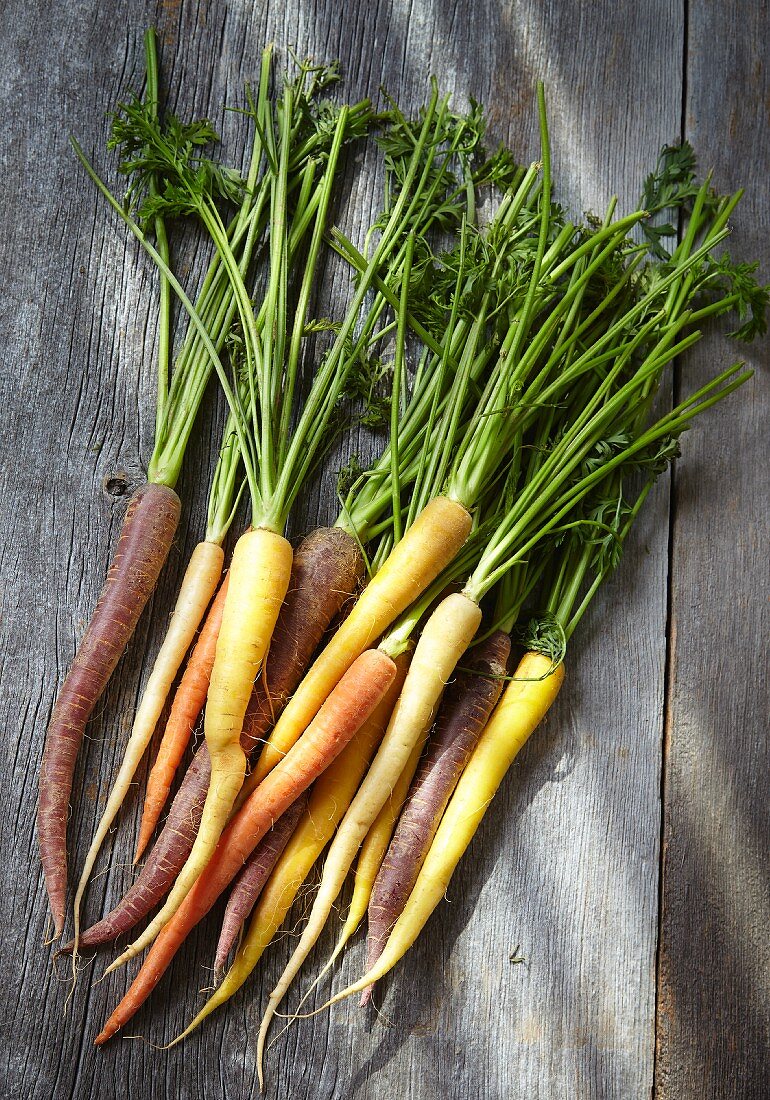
(198, 586)
(376, 843)
(165, 861)
(259, 579)
(465, 710)
(179, 395)
(261, 863)
(185, 711)
(255, 874)
(444, 638)
(342, 715)
(428, 546)
(330, 798)
(372, 850)
(523, 706)
(326, 570)
(145, 540)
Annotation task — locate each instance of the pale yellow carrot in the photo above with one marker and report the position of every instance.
(522, 708)
(445, 637)
(426, 549)
(198, 586)
(259, 579)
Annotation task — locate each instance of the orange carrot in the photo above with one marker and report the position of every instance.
(185, 711)
(339, 719)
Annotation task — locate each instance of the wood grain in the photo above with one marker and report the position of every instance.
(714, 1006)
(566, 870)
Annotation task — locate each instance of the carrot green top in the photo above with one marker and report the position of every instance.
(587, 478)
(169, 176)
(564, 418)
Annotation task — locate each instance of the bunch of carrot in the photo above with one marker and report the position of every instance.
(521, 446)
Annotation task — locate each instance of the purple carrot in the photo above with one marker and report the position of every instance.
(326, 571)
(248, 886)
(166, 859)
(467, 704)
(145, 540)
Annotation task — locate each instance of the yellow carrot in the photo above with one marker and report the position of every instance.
(330, 798)
(426, 549)
(522, 708)
(370, 857)
(259, 579)
(445, 637)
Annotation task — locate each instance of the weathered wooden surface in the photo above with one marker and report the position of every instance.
(714, 999)
(567, 869)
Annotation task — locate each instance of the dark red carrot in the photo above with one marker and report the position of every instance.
(145, 540)
(164, 862)
(465, 710)
(326, 572)
(248, 886)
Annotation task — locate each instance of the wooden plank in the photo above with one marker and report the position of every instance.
(566, 868)
(714, 1001)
